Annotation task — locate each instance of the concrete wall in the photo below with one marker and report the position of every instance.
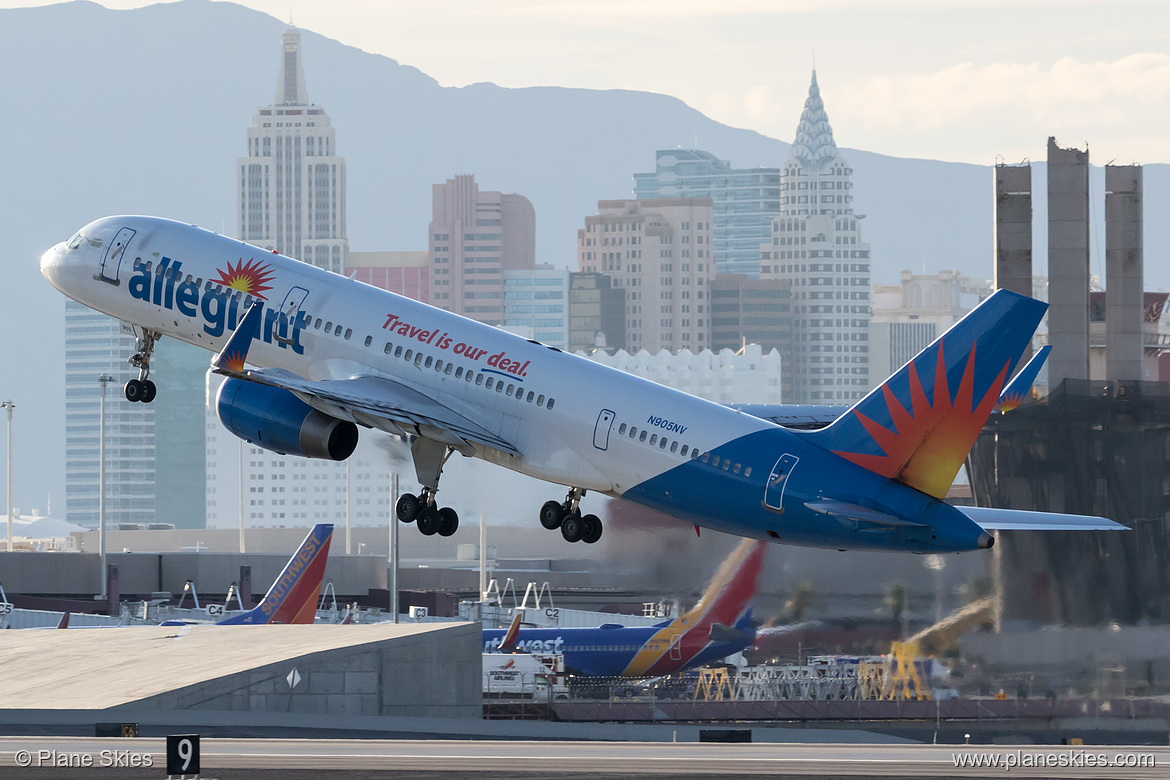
(1068, 263)
(1124, 301)
(432, 674)
(1013, 228)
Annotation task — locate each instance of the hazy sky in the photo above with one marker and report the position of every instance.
(962, 80)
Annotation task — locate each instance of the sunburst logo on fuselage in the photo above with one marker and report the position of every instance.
(929, 441)
(251, 278)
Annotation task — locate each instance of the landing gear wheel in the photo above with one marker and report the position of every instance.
(590, 529)
(448, 521)
(407, 507)
(551, 515)
(571, 528)
(135, 391)
(149, 391)
(428, 520)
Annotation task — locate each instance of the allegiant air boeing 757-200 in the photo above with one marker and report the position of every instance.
(310, 357)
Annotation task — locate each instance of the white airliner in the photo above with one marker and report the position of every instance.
(330, 355)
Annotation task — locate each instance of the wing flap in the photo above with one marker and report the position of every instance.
(991, 519)
(859, 513)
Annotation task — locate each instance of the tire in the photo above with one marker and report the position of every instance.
(590, 529)
(134, 391)
(428, 520)
(407, 507)
(448, 521)
(149, 391)
(551, 515)
(571, 528)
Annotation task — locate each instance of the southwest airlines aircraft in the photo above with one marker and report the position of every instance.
(718, 626)
(330, 355)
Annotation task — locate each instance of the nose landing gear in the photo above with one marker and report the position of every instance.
(567, 516)
(429, 457)
(142, 389)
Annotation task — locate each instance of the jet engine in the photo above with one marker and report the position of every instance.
(275, 419)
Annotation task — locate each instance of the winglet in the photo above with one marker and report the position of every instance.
(508, 643)
(232, 357)
(293, 596)
(1020, 387)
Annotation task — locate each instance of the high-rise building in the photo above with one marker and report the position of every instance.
(475, 237)
(405, 273)
(291, 185)
(908, 317)
(659, 252)
(744, 201)
(597, 313)
(752, 311)
(152, 450)
(536, 304)
(817, 247)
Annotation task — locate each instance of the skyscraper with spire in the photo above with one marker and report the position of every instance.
(816, 245)
(292, 183)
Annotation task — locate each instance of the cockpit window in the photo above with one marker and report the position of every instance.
(75, 241)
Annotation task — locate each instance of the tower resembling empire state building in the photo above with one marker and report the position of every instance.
(292, 183)
(816, 245)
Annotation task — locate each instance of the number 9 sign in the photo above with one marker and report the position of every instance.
(183, 754)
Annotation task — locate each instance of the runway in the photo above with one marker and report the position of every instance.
(261, 758)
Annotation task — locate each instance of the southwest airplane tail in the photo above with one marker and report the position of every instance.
(293, 596)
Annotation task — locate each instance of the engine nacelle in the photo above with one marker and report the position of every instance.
(277, 420)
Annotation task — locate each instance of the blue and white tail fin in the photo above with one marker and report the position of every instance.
(919, 425)
(1021, 387)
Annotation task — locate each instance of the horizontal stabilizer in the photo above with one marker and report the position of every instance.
(722, 633)
(1024, 520)
(857, 512)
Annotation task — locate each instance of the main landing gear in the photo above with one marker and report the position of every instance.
(567, 516)
(142, 389)
(429, 457)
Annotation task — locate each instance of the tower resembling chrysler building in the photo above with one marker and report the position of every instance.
(292, 183)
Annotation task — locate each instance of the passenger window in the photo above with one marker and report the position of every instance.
(715, 461)
(337, 330)
(622, 429)
(447, 370)
(389, 348)
(500, 386)
(642, 437)
(438, 365)
(349, 332)
(662, 443)
(551, 401)
(430, 361)
(508, 392)
(328, 327)
(633, 432)
(674, 446)
(408, 355)
(397, 350)
(540, 400)
(683, 452)
(726, 464)
(748, 471)
(418, 357)
(653, 440)
(735, 469)
(490, 382)
(369, 340)
(530, 394)
(479, 379)
(706, 457)
(459, 373)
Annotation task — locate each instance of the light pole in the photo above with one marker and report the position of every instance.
(9, 406)
(242, 550)
(393, 546)
(104, 379)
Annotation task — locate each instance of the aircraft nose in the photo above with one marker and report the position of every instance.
(51, 263)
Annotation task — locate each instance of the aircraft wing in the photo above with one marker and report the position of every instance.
(375, 401)
(991, 519)
(800, 416)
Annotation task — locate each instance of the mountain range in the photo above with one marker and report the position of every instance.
(146, 111)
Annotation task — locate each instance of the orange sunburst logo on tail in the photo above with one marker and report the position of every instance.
(929, 441)
(1009, 403)
(251, 278)
(232, 362)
